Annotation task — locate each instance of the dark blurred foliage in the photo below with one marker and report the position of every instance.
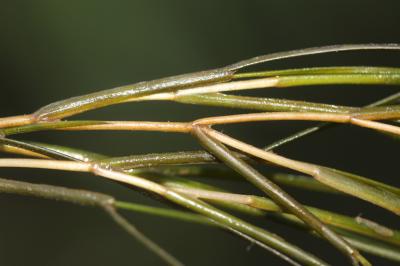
(50, 50)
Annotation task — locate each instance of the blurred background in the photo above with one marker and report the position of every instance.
(51, 50)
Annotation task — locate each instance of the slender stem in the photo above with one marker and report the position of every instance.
(367, 181)
(280, 81)
(157, 159)
(213, 81)
(101, 125)
(62, 149)
(357, 118)
(276, 193)
(244, 227)
(231, 200)
(320, 70)
(302, 182)
(153, 164)
(311, 130)
(24, 148)
(337, 118)
(86, 198)
(13, 121)
(218, 87)
(358, 79)
(198, 206)
(164, 212)
(365, 191)
(372, 246)
(312, 51)
(137, 125)
(80, 104)
(261, 104)
(365, 244)
(84, 167)
(75, 105)
(133, 231)
(108, 203)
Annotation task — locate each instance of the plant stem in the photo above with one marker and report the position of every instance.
(320, 70)
(260, 104)
(376, 195)
(277, 194)
(232, 201)
(85, 198)
(355, 119)
(311, 130)
(311, 51)
(198, 206)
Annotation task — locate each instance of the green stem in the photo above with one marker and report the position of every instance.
(80, 104)
(157, 159)
(373, 247)
(48, 126)
(260, 104)
(269, 239)
(302, 182)
(311, 130)
(153, 163)
(362, 243)
(374, 194)
(311, 51)
(321, 70)
(324, 79)
(85, 198)
(236, 224)
(163, 212)
(366, 244)
(276, 193)
(258, 206)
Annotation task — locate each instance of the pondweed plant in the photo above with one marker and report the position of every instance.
(168, 174)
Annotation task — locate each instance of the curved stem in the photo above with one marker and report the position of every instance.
(277, 194)
(336, 118)
(376, 195)
(260, 104)
(312, 51)
(198, 206)
(319, 71)
(311, 130)
(86, 198)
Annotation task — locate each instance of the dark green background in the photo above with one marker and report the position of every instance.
(50, 50)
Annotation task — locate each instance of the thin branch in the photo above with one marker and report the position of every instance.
(277, 194)
(86, 198)
(13, 121)
(136, 125)
(230, 200)
(198, 206)
(133, 231)
(260, 104)
(311, 130)
(84, 167)
(281, 81)
(80, 104)
(108, 203)
(356, 118)
(155, 164)
(336, 118)
(312, 51)
(365, 244)
(365, 191)
(320, 70)
(101, 125)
